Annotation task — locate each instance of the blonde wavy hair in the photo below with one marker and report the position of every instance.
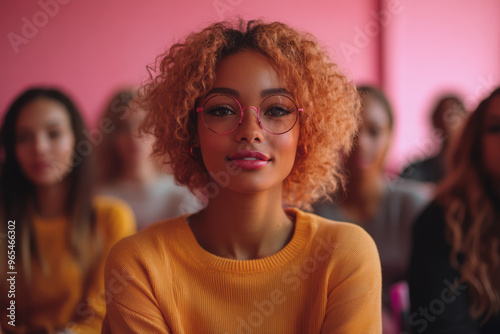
(472, 216)
(183, 74)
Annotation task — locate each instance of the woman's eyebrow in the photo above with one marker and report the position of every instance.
(47, 125)
(233, 92)
(274, 91)
(223, 90)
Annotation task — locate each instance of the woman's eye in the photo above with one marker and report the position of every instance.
(493, 128)
(221, 111)
(374, 132)
(54, 134)
(278, 111)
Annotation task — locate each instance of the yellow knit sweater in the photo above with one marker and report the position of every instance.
(327, 279)
(55, 300)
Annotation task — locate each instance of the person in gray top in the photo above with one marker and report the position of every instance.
(385, 208)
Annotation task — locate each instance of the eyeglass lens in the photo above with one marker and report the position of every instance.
(277, 114)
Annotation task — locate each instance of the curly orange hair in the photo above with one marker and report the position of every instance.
(186, 72)
(472, 216)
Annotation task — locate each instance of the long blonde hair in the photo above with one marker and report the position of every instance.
(472, 216)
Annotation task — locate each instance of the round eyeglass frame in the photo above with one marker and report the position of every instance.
(257, 110)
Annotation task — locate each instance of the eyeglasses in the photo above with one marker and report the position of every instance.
(222, 114)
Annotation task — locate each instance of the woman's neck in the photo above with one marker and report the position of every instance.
(243, 226)
(364, 193)
(51, 200)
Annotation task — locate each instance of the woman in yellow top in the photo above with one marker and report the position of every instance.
(254, 118)
(55, 236)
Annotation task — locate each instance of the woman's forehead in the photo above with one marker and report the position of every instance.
(248, 73)
(43, 112)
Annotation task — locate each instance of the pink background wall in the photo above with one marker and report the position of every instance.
(433, 47)
(90, 48)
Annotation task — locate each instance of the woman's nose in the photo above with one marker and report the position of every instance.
(40, 144)
(363, 140)
(250, 129)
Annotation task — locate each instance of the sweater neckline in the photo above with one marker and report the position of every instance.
(291, 250)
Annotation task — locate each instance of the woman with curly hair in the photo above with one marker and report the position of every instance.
(254, 119)
(455, 266)
(58, 233)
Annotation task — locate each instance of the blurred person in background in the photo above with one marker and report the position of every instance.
(455, 264)
(385, 209)
(127, 170)
(60, 234)
(447, 119)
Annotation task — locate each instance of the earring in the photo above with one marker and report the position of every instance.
(302, 151)
(192, 153)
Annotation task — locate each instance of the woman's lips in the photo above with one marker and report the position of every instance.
(249, 159)
(40, 166)
(249, 164)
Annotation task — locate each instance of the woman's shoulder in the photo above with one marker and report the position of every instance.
(105, 204)
(152, 252)
(320, 225)
(155, 237)
(344, 237)
(114, 216)
(349, 252)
